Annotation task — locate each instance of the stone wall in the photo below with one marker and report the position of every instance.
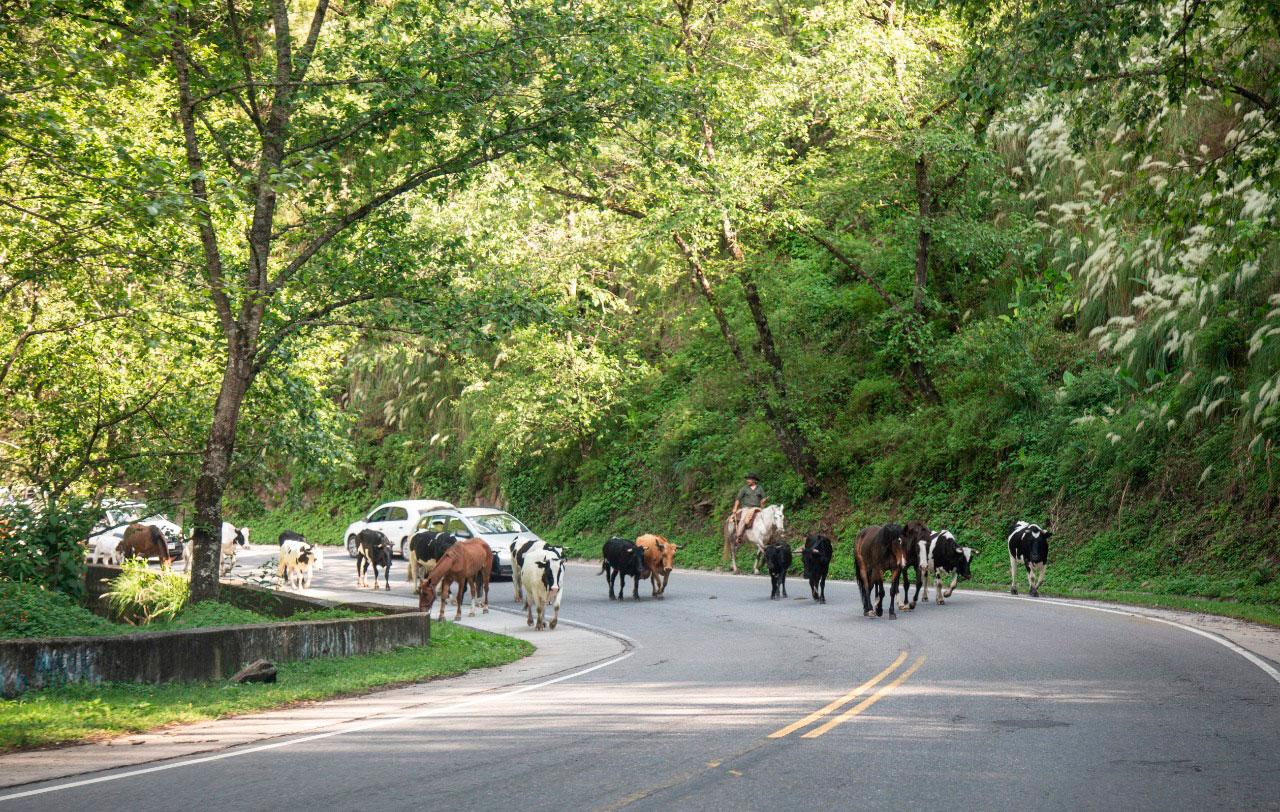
(201, 654)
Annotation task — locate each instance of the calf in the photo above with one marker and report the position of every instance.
(372, 549)
(660, 559)
(144, 541)
(623, 558)
(817, 554)
(777, 557)
(940, 555)
(1028, 543)
(105, 550)
(543, 576)
(233, 538)
(297, 559)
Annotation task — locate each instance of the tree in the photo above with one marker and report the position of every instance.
(297, 136)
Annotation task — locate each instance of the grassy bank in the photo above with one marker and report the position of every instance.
(82, 712)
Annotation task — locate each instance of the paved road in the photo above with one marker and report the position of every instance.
(985, 703)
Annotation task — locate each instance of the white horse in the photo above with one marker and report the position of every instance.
(769, 525)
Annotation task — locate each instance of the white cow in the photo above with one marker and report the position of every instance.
(519, 552)
(297, 561)
(232, 537)
(105, 549)
(542, 576)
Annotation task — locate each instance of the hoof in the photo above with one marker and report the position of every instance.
(822, 600)
(1035, 593)
(1013, 591)
(941, 601)
(530, 622)
(553, 624)
(868, 613)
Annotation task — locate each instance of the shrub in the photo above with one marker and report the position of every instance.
(43, 544)
(28, 610)
(139, 595)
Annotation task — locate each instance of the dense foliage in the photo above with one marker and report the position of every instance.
(966, 261)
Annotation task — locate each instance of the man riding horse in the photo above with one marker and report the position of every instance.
(746, 505)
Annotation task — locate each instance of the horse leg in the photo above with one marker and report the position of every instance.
(862, 590)
(755, 566)
(893, 594)
(1013, 575)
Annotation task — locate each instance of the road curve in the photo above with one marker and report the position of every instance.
(731, 700)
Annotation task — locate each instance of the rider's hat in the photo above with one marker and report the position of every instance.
(753, 476)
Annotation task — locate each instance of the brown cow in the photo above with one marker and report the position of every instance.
(880, 548)
(659, 558)
(467, 564)
(144, 541)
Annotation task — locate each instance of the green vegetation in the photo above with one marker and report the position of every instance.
(30, 611)
(80, 713)
(963, 262)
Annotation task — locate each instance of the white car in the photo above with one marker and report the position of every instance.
(497, 527)
(119, 515)
(398, 521)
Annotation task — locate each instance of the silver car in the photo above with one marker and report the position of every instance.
(497, 527)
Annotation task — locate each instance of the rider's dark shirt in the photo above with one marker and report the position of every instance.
(747, 497)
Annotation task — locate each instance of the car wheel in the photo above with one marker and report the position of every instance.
(404, 548)
(351, 546)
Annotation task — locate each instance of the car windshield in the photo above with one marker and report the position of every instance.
(498, 523)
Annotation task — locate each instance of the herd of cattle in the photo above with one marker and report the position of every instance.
(147, 541)
(439, 562)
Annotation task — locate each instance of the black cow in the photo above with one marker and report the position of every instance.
(623, 558)
(817, 554)
(777, 557)
(290, 535)
(425, 548)
(1028, 543)
(940, 555)
(373, 548)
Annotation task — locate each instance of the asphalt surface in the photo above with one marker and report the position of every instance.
(987, 702)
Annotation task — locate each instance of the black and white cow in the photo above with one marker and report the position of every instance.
(291, 535)
(777, 557)
(1028, 543)
(373, 549)
(520, 550)
(817, 555)
(623, 558)
(940, 555)
(543, 576)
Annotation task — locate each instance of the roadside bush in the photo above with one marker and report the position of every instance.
(139, 595)
(43, 544)
(29, 610)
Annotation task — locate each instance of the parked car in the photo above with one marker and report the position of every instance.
(398, 521)
(497, 527)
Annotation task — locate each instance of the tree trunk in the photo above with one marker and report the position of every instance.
(207, 540)
(924, 237)
(794, 445)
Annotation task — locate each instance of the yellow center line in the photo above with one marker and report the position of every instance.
(855, 693)
(866, 703)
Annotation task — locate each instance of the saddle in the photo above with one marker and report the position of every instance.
(751, 517)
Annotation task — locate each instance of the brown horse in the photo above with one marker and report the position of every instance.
(467, 564)
(144, 541)
(880, 548)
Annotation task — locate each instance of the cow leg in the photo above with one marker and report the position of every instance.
(784, 583)
(555, 614)
(1035, 590)
(1013, 575)
(528, 606)
(1031, 585)
(635, 587)
(955, 579)
(386, 575)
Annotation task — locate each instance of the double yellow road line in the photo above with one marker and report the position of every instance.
(880, 693)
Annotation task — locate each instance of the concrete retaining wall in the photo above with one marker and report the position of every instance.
(201, 654)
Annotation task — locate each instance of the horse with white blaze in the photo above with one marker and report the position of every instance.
(542, 576)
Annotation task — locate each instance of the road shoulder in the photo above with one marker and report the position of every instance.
(567, 648)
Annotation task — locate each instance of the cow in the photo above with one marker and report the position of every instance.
(290, 535)
(467, 563)
(232, 538)
(817, 554)
(941, 555)
(297, 558)
(777, 556)
(520, 550)
(879, 548)
(913, 532)
(144, 541)
(543, 576)
(660, 559)
(372, 549)
(1028, 543)
(425, 549)
(623, 558)
(105, 549)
